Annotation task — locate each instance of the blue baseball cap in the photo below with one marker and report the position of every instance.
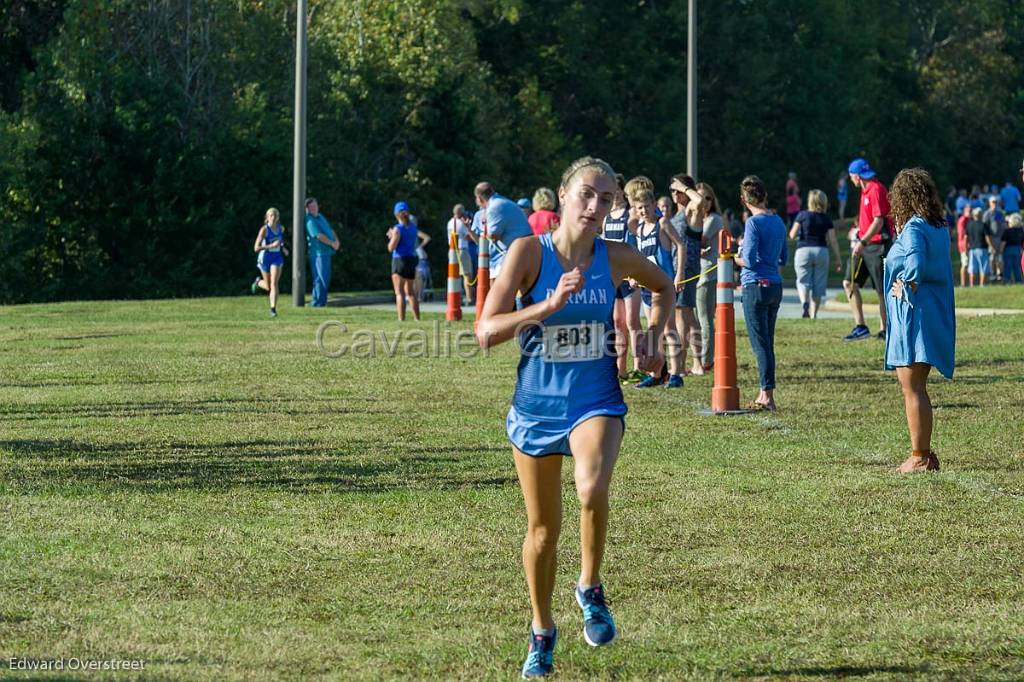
(524, 203)
(862, 168)
(401, 206)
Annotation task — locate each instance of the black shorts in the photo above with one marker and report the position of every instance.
(624, 290)
(869, 265)
(405, 266)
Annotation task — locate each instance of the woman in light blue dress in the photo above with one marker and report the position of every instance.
(919, 303)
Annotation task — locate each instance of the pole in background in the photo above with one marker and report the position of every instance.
(691, 90)
(299, 177)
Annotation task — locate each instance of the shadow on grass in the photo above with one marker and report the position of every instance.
(285, 465)
(839, 671)
(168, 408)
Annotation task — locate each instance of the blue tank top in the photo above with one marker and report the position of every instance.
(649, 243)
(269, 237)
(617, 229)
(567, 366)
(407, 241)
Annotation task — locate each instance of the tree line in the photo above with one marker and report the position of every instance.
(141, 142)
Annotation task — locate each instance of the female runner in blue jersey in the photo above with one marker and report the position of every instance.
(567, 399)
(403, 239)
(271, 249)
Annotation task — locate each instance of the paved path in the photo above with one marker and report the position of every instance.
(790, 308)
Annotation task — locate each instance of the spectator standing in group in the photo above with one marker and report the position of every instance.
(665, 207)
(1013, 238)
(950, 204)
(543, 219)
(459, 226)
(813, 231)
(961, 201)
(763, 251)
(707, 285)
(874, 236)
(505, 223)
(961, 241)
(321, 245)
(979, 245)
(842, 194)
(1010, 197)
(688, 219)
(792, 198)
(919, 296)
(995, 221)
(525, 206)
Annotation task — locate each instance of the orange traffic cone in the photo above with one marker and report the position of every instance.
(725, 394)
(454, 310)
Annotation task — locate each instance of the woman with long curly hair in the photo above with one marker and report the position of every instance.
(919, 303)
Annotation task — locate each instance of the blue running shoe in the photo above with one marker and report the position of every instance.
(859, 332)
(649, 381)
(598, 626)
(540, 661)
(674, 381)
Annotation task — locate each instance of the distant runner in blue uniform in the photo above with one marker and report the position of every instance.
(271, 249)
(403, 239)
(567, 400)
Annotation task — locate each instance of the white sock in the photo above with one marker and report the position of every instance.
(543, 632)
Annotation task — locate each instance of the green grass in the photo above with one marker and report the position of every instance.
(192, 484)
(995, 296)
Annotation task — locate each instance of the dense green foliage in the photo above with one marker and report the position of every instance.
(140, 143)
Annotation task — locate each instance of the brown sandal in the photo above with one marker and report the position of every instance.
(919, 462)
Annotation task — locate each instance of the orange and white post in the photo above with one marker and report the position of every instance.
(454, 309)
(725, 395)
(483, 272)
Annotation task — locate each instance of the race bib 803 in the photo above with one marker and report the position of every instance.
(573, 342)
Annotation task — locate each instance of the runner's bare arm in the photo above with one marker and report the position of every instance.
(499, 319)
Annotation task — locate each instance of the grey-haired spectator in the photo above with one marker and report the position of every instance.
(995, 221)
(543, 219)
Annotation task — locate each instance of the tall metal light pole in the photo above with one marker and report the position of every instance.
(299, 179)
(691, 91)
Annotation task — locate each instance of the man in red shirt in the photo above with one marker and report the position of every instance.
(874, 234)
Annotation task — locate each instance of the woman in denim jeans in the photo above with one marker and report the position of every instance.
(762, 252)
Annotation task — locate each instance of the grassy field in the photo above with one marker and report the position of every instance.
(192, 484)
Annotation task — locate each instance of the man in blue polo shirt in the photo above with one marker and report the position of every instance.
(321, 244)
(505, 223)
